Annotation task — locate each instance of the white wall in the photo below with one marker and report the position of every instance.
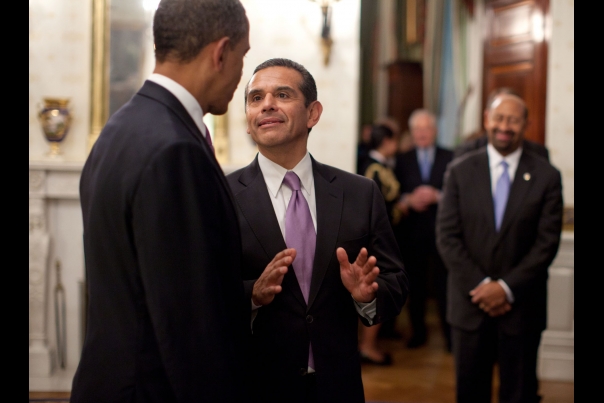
(560, 121)
(59, 66)
(291, 29)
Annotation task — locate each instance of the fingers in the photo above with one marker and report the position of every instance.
(342, 257)
(285, 257)
(361, 257)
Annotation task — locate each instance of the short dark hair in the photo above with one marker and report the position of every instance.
(308, 87)
(504, 90)
(181, 28)
(378, 134)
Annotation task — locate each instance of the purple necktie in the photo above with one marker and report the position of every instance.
(209, 139)
(502, 191)
(300, 235)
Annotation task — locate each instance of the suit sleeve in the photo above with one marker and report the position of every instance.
(536, 262)
(179, 215)
(450, 237)
(393, 284)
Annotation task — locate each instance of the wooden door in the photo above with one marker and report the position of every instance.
(515, 55)
(405, 91)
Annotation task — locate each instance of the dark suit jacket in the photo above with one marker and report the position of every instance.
(166, 317)
(419, 226)
(482, 141)
(351, 214)
(520, 253)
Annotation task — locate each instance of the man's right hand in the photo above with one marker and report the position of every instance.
(269, 282)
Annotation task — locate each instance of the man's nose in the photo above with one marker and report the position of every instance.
(268, 103)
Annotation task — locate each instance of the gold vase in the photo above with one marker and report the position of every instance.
(55, 118)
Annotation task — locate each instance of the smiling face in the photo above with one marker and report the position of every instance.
(277, 118)
(505, 122)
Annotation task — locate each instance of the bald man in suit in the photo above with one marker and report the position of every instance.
(497, 253)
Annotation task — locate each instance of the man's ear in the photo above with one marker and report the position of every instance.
(219, 52)
(314, 114)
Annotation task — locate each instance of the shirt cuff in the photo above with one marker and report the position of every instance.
(508, 293)
(366, 309)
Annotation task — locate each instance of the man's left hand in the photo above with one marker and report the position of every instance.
(359, 277)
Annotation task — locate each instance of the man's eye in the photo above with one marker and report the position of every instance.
(282, 95)
(255, 98)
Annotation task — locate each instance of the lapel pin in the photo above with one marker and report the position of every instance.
(527, 176)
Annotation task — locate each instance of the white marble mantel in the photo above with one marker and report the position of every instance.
(55, 234)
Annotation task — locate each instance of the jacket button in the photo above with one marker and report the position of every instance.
(309, 319)
(303, 371)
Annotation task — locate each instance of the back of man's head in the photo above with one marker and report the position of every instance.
(379, 133)
(182, 28)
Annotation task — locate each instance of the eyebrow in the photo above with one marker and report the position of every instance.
(280, 88)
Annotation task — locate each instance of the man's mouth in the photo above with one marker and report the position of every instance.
(269, 122)
(504, 134)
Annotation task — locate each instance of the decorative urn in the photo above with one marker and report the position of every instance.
(55, 118)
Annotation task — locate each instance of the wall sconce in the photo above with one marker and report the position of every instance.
(326, 40)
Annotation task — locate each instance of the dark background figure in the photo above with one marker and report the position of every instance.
(383, 146)
(480, 138)
(498, 230)
(420, 173)
(305, 332)
(167, 320)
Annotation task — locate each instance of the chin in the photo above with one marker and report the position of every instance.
(218, 110)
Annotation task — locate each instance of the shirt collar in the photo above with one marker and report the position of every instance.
(495, 158)
(376, 155)
(185, 98)
(274, 173)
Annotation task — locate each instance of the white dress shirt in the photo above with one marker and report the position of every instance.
(496, 169)
(273, 176)
(185, 98)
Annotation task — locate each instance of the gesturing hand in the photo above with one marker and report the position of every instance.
(359, 277)
(269, 282)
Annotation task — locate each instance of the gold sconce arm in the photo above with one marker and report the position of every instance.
(326, 41)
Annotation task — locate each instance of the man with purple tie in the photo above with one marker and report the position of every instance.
(318, 218)
(498, 229)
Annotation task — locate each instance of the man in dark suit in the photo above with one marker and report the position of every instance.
(420, 173)
(305, 332)
(167, 319)
(498, 230)
(481, 139)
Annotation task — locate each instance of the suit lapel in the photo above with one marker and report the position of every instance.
(329, 199)
(417, 175)
(483, 183)
(257, 208)
(437, 168)
(517, 192)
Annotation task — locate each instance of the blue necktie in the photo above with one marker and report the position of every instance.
(300, 234)
(424, 165)
(502, 191)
